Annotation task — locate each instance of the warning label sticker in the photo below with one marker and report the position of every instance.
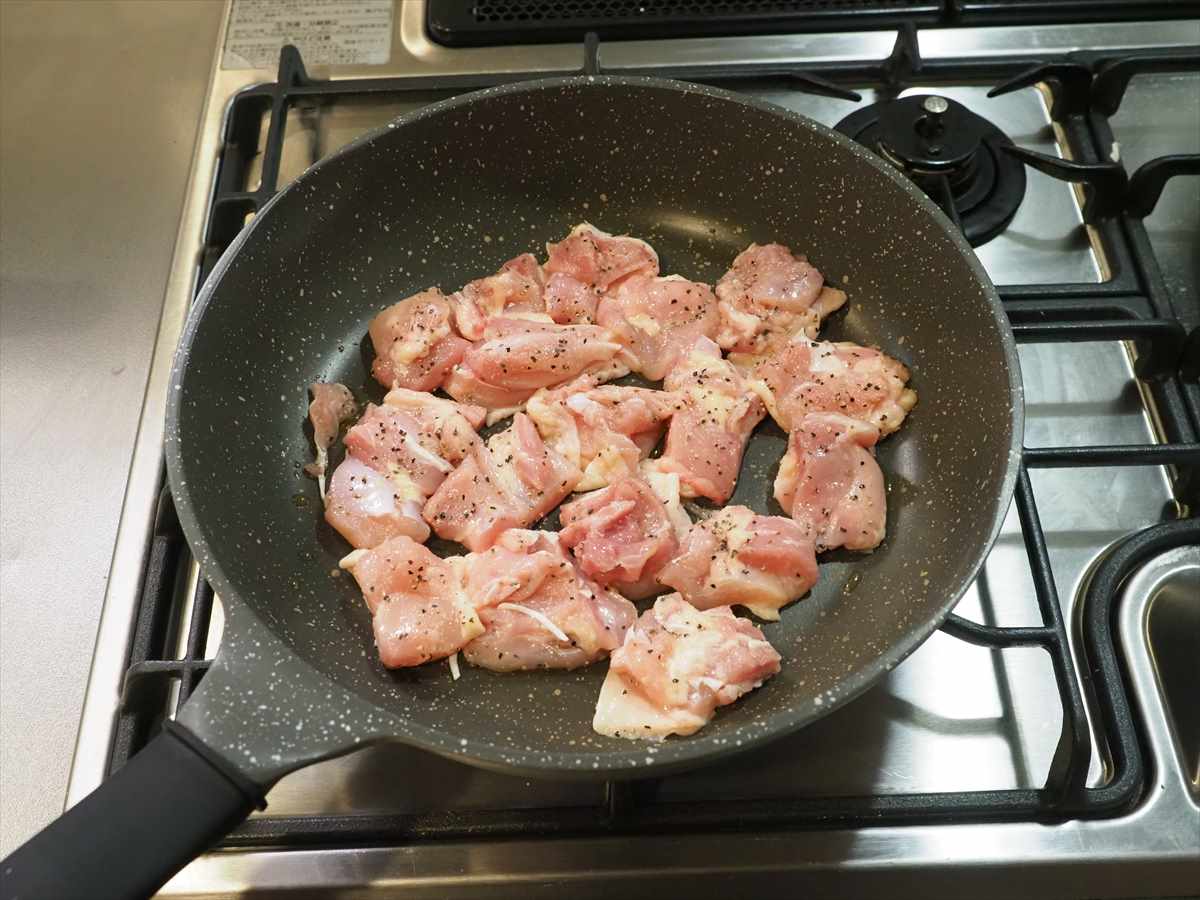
(328, 32)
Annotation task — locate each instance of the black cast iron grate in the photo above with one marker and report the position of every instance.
(1132, 306)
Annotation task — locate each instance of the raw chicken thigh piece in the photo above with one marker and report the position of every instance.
(513, 568)
(397, 456)
(393, 442)
(818, 376)
(707, 435)
(515, 290)
(539, 610)
(767, 296)
(415, 437)
(332, 404)
(420, 611)
(605, 430)
(570, 301)
(415, 346)
(509, 482)
(831, 484)
(739, 558)
(401, 565)
(526, 355)
(585, 264)
(366, 507)
(452, 425)
(658, 319)
(676, 666)
(597, 259)
(519, 356)
(624, 534)
(500, 402)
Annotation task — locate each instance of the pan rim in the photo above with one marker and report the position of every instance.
(634, 760)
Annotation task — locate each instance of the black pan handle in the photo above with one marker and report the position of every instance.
(170, 802)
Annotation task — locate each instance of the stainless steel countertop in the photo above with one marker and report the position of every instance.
(99, 111)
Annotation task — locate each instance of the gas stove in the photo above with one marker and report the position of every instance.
(1045, 742)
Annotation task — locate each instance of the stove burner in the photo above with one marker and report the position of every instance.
(951, 153)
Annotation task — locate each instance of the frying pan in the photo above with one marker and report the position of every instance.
(443, 196)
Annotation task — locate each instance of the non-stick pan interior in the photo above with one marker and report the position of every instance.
(450, 194)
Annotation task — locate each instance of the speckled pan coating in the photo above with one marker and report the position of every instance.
(446, 195)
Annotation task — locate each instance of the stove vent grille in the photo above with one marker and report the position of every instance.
(577, 10)
(457, 23)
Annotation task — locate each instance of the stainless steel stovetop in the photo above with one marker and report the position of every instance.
(954, 717)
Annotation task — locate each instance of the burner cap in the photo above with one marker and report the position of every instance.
(930, 134)
(940, 145)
